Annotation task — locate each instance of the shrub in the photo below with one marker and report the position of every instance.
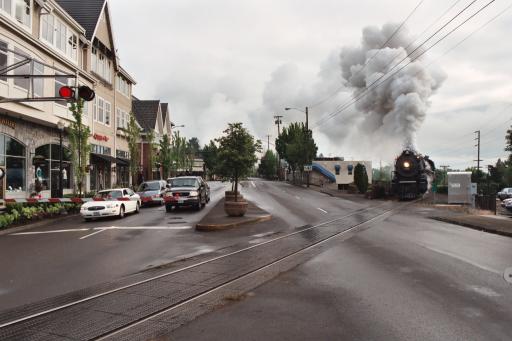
(14, 206)
(361, 178)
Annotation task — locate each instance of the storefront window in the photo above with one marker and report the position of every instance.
(12, 156)
(46, 163)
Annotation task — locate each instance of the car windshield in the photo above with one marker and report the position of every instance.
(184, 182)
(149, 186)
(108, 195)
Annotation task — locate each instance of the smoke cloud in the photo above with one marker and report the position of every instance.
(395, 109)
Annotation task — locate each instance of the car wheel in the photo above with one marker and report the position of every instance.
(137, 208)
(168, 208)
(87, 220)
(199, 205)
(121, 212)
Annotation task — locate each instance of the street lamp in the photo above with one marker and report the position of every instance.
(305, 112)
(60, 126)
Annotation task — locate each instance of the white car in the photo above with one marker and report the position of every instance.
(111, 202)
(507, 203)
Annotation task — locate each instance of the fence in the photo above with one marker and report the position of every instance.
(486, 202)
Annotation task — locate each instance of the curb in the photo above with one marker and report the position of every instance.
(21, 228)
(474, 227)
(221, 227)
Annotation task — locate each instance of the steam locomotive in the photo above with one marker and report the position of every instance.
(412, 175)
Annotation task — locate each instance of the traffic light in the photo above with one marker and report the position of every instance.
(73, 93)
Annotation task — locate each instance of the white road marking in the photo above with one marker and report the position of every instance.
(253, 184)
(92, 234)
(322, 210)
(260, 235)
(45, 232)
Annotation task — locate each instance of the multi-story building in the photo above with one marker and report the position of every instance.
(153, 116)
(70, 42)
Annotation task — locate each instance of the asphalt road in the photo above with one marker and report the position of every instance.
(406, 278)
(57, 259)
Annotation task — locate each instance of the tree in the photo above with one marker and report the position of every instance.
(195, 148)
(361, 178)
(79, 143)
(133, 136)
(179, 152)
(237, 153)
(296, 145)
(268, 165)
(150, 140)
(165, 156)
(210, 158)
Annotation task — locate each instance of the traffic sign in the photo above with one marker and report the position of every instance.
(308, 168)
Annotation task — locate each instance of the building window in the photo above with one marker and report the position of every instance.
(38, 82)
(123, 86)
(21, 70)
(22, 11)
(101, 65)
(107, 113)
(6, 6)
(13, 157)
(101, 103)
(47, 27)
(3, 58)
(97, 149)
(59, 36)
(46, 164)
(94, 59)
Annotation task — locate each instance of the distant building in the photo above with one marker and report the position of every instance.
(336, 173)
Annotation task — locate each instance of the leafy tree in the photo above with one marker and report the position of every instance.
(296, 145)
(361, 178)
(165, 156)
(79, 143)
(133, 136)
(179, 152)
(195, 148)
(150, 140)
(237, 153)
(210, 158)
(508, 146)
(268, 165)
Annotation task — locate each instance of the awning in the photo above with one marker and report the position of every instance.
(103, 157)
(122, 161)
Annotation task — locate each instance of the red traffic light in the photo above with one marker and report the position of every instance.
(67, 92)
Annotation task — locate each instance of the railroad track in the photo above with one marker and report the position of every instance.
(115, 312)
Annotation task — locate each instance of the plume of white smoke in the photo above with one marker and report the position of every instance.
(397, 107)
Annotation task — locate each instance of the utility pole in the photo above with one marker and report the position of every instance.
(307, 118)
(278, 122)
(268, 142)
(478, 150)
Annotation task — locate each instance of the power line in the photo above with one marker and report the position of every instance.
(374, 55)
(401, 68)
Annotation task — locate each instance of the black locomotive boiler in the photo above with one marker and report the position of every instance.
(412, 175)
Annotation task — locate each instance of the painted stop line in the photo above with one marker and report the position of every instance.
(105, 228)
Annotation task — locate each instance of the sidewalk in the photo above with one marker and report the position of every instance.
(501, 225)
(217, 219)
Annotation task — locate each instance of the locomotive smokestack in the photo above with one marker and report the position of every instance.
(396, 107)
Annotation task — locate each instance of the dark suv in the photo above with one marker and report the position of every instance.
(186, 191)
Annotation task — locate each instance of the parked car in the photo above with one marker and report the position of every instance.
(507, 203)
(505, 193)
(151, 192)
(186, 191)
(111, 202)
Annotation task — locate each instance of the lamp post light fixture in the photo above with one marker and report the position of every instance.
(305, 112)
(60, 126)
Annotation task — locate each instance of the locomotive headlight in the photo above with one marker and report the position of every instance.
(407, 164)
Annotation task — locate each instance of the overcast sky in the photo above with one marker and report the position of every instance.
(238, 60)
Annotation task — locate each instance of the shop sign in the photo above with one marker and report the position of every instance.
(100, 137)
(8, 123)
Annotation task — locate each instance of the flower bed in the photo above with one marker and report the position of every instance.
(20, 214)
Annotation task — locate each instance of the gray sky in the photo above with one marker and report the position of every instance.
(231, 60)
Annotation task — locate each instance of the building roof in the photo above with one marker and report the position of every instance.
(146, 113)
(164, 106)
(86, 13)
